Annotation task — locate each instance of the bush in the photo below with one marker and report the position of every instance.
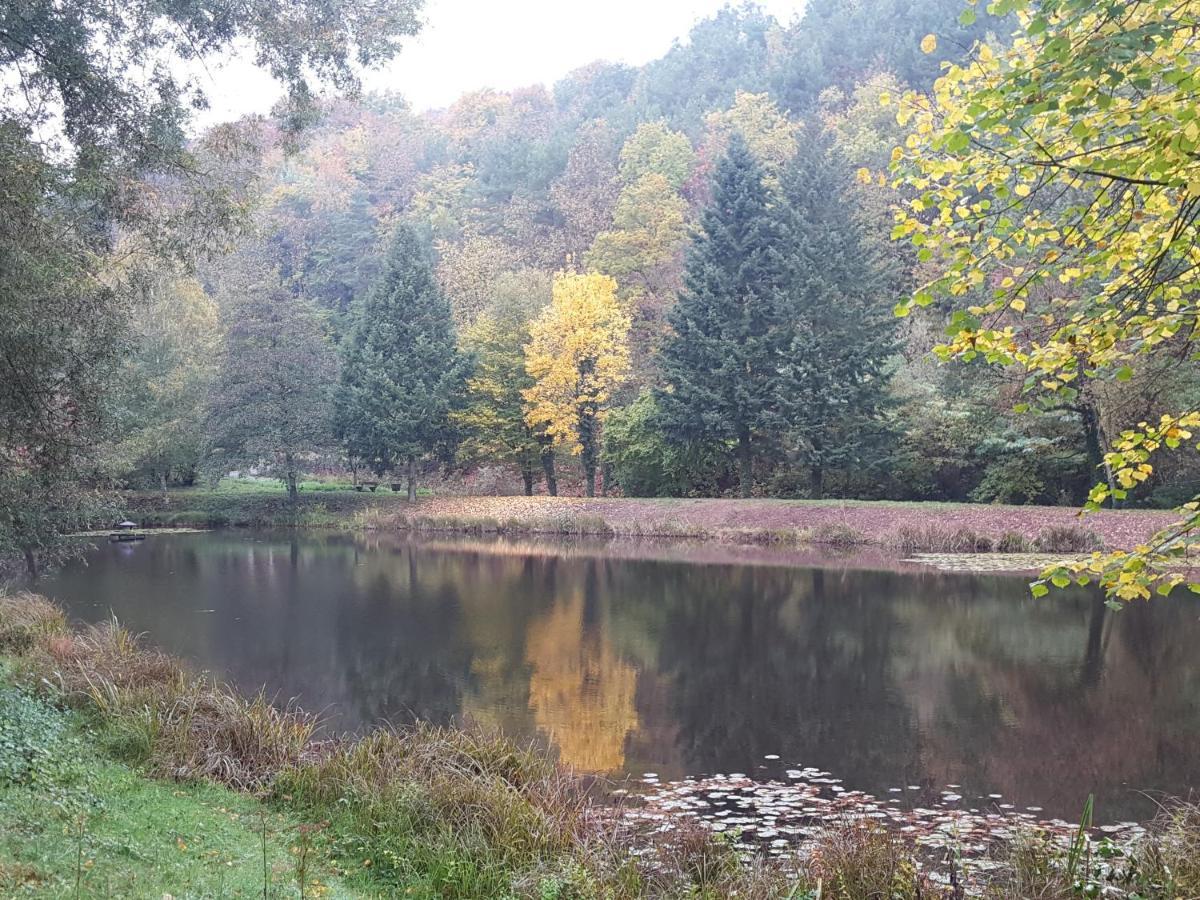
(38, 749)
(646, 464)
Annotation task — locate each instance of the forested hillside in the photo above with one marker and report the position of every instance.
(658, 183)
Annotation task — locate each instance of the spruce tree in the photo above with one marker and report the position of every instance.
(721, 362)
(402, 374)
(843, 331)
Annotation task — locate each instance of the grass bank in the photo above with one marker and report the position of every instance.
(124, 775)
(902, 527)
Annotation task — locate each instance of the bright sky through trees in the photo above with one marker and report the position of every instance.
(472, 44)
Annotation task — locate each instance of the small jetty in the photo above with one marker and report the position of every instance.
(127, 531)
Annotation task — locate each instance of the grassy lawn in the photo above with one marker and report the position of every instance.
(76, 823)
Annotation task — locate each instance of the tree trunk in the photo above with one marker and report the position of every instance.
(412, 479)
(31, 566)
(746, 459)
(1095, 448)
(588, 439)
(162, 481)
(816, 481)
(527, 476)
(293, 488)
(605, 477)
(548, 469)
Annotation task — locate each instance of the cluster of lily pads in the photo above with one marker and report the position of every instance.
(785, 817)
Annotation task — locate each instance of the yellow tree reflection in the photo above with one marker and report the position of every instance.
(581, 692)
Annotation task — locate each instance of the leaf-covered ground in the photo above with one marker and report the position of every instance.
(876, 522)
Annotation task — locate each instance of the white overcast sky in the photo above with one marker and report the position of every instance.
(471, 44)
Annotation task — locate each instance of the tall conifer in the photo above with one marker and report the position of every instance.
(721, 363)
(402, 374)
(843, 332)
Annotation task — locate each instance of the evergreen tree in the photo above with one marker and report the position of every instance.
(843, 331)
(402, 374)
(721, 364)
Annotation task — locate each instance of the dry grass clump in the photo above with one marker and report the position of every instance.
(939, 539)
(1162, 865)
(859, 860)
(209, 731)
(27, 618)
(838, 534)
(153, 711)
(76, 663)
(1068, 539)
(423, 795)
(470, 814)
(1014, 542)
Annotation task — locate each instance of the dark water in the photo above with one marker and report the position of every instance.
(885, 678)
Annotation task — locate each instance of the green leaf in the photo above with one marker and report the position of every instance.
(1038, 589)
(966, 17)
(958, 142)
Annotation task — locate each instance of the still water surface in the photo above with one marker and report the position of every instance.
(620, 665)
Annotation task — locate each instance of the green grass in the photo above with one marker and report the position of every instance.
(75, 823)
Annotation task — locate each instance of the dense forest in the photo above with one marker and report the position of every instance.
(662, 179)
(677, 279)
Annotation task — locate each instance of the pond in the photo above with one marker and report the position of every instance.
(625, 660)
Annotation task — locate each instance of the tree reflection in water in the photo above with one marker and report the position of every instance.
(885, 678)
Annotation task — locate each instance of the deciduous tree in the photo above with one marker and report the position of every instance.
(577, 356)
(1059, 190)
(270, 404)
(493, 419)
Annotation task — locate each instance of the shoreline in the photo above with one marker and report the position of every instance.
(903, 527)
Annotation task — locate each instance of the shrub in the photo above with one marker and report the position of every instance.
(38, 750)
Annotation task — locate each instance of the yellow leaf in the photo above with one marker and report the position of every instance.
(929, 43)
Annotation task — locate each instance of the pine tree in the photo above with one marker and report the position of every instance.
(402, 374)
(721, 364)
(835, 294)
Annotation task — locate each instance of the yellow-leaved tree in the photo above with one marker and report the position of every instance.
(577, 355)
(1057, 191)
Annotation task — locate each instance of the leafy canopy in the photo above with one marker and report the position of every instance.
(1058, 189)
(577, 356)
